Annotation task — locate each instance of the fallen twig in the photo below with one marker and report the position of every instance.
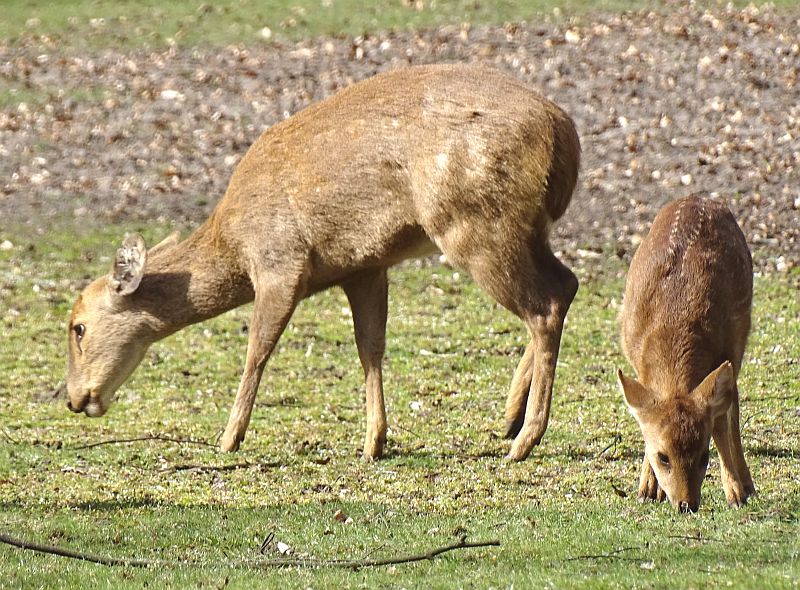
(617, 439)
(8, 436)
(230, 467)
(691, 538)
(157, 437)
(249, 564)
(610, 555)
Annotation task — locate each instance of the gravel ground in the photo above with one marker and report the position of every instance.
(690, 103)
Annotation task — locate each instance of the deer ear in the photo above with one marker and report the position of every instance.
(637, 397)
(128, 268)
(717, 390)
(166, 243)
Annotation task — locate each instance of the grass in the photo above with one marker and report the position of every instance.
(567, 517)
(559, 516)
(82, 24)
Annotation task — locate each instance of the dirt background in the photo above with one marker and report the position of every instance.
(694, 102)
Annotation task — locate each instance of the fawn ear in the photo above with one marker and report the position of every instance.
(637, 397)
(717, 390)
(166, 243)
(128, 268)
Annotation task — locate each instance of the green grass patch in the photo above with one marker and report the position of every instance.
(567, 517)
(105, 23)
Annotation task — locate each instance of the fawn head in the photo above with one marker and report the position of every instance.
(677, 431)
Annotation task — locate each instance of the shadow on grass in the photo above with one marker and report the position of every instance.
(103, 505)
(773, 451)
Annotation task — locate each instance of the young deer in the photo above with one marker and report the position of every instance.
(460, 158)
(685, 321)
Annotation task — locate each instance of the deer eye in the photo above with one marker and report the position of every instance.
(79, 330)
(663, 459)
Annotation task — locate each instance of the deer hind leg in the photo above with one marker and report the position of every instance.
(534, 285)
(275, 301)
(736, 478)
(367, 293)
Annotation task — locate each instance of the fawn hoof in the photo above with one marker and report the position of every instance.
(651, 494)
(737, 498)
(738, 503)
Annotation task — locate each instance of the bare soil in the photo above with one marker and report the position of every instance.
(693, 102)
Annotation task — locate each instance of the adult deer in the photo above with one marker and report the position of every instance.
(458, 158)
(685, 320)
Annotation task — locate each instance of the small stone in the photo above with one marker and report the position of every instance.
(266, 33)
(6, 245)
(647, 565)
(686, 179)
(169, 94)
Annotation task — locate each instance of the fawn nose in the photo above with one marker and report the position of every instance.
(685, 507)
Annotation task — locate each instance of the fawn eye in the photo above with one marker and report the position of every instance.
(663, 459)
(79, 330)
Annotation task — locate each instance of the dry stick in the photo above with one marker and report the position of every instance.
(610, 555)
(613, 443)
(251, 564)
(8, 436)
(158, 437)
(691, 538)
(231, 467)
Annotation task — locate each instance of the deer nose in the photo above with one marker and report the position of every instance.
(684, 507)
(79, 408)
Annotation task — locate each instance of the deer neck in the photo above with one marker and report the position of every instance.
(190, 282)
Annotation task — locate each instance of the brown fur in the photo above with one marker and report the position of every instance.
(685, 321)
(457, 158)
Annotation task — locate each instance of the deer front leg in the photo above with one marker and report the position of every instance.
(274, 303)
(736, 478)
(648, 484)
(367, 293)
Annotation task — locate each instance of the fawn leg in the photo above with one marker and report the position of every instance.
(736, 478)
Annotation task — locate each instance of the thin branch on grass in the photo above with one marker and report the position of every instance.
(230, 467)
(10, 438)
(247, 564)
(615, 441)
(610, 555)
(156, 437)
(691, 538)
